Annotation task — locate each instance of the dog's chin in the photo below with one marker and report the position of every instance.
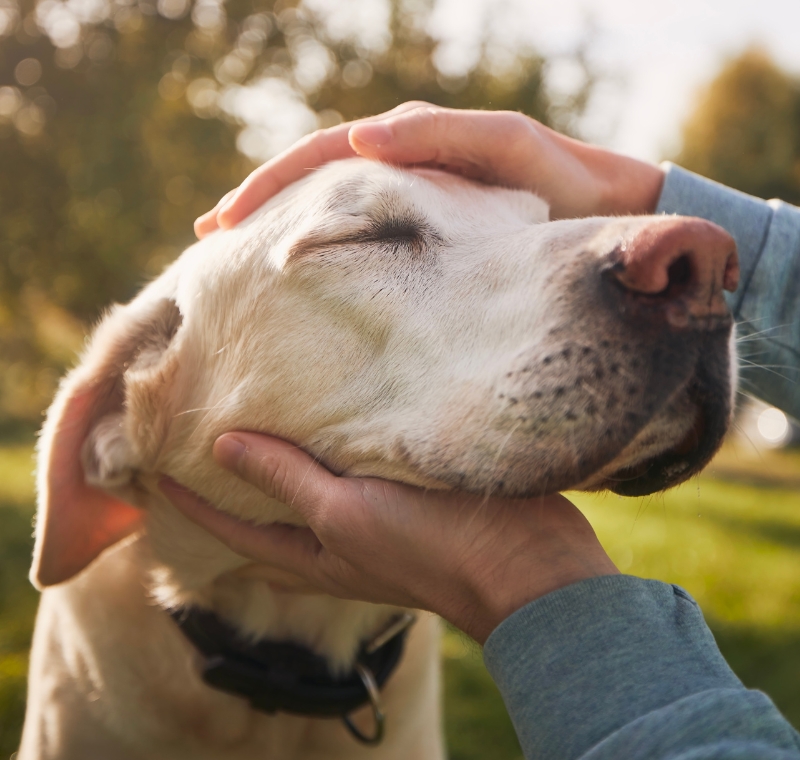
(678, 462)
(668, 450)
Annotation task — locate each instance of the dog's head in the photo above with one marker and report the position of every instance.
(402, 324)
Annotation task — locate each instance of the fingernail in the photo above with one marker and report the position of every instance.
(229, 451)
(372, 133)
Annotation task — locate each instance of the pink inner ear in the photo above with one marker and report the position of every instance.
(76, 522)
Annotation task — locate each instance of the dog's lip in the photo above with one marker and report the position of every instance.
(665, 469)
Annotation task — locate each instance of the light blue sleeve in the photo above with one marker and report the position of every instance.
(767, 304)
(620, 668)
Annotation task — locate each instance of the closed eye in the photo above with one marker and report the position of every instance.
(404, 231)
(407, 233)
(385, 229)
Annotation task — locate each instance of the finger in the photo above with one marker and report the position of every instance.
(287, 547)
(307, 566)
(310, 152)
(207, 223)
(486, 145)
(283, 472)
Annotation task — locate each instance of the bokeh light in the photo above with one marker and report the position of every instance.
(774, 426)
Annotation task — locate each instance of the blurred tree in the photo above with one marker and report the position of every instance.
(122, 120)
(745, 131)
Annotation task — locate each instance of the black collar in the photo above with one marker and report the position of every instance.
(283, 676)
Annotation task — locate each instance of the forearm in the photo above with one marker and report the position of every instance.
(622, 667)
(767, 304)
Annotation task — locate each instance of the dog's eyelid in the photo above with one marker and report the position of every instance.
(391, 228)
(413, 231)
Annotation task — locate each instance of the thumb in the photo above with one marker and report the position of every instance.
(281, 470)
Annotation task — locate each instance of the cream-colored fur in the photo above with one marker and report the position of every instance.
(407, 325)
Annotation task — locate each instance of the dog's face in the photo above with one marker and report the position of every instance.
(408, 325)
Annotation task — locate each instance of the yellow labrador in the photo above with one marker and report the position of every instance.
(403, 324)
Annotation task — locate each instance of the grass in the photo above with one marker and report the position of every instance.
(17, 597)
(730, 537)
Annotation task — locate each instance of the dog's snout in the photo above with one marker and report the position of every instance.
(680, 267)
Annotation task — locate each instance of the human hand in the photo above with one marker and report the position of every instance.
(497, 147)
(472, 560)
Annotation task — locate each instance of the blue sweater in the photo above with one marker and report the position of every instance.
(620, 668)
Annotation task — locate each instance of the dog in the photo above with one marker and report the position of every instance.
(403, 324)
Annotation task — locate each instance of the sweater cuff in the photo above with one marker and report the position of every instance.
(578, 664)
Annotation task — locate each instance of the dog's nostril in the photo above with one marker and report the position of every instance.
(677, 268)
(679, 275)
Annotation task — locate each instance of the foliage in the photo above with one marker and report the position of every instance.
(122, 120)
(745, 131)
(18, 599)
(476, 723)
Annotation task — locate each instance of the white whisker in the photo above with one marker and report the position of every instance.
(759, 334)
(499, 454)
(192, 411)
(769, 369)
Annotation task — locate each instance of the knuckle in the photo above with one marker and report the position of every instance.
(322, 519)
(519, 126)
(272, 476)
(515, 124)
(413, 104)
(331, 515)
(437, 113)
(426, 112)
(312, 137)
(432, 123)
(318, 517)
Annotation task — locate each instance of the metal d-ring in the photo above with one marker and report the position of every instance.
(368, 679)
(395, 627)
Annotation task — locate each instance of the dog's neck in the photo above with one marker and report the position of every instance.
(257, 600)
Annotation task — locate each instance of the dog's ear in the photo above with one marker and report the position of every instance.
(88, 449)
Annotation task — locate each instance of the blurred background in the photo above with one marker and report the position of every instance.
(122, 120)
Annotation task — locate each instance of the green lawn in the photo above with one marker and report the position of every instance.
(17, 597)
(731, 538)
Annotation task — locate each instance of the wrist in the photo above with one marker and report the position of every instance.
(595, 181)
(555, 547)
(629, 186)
(493, 609)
